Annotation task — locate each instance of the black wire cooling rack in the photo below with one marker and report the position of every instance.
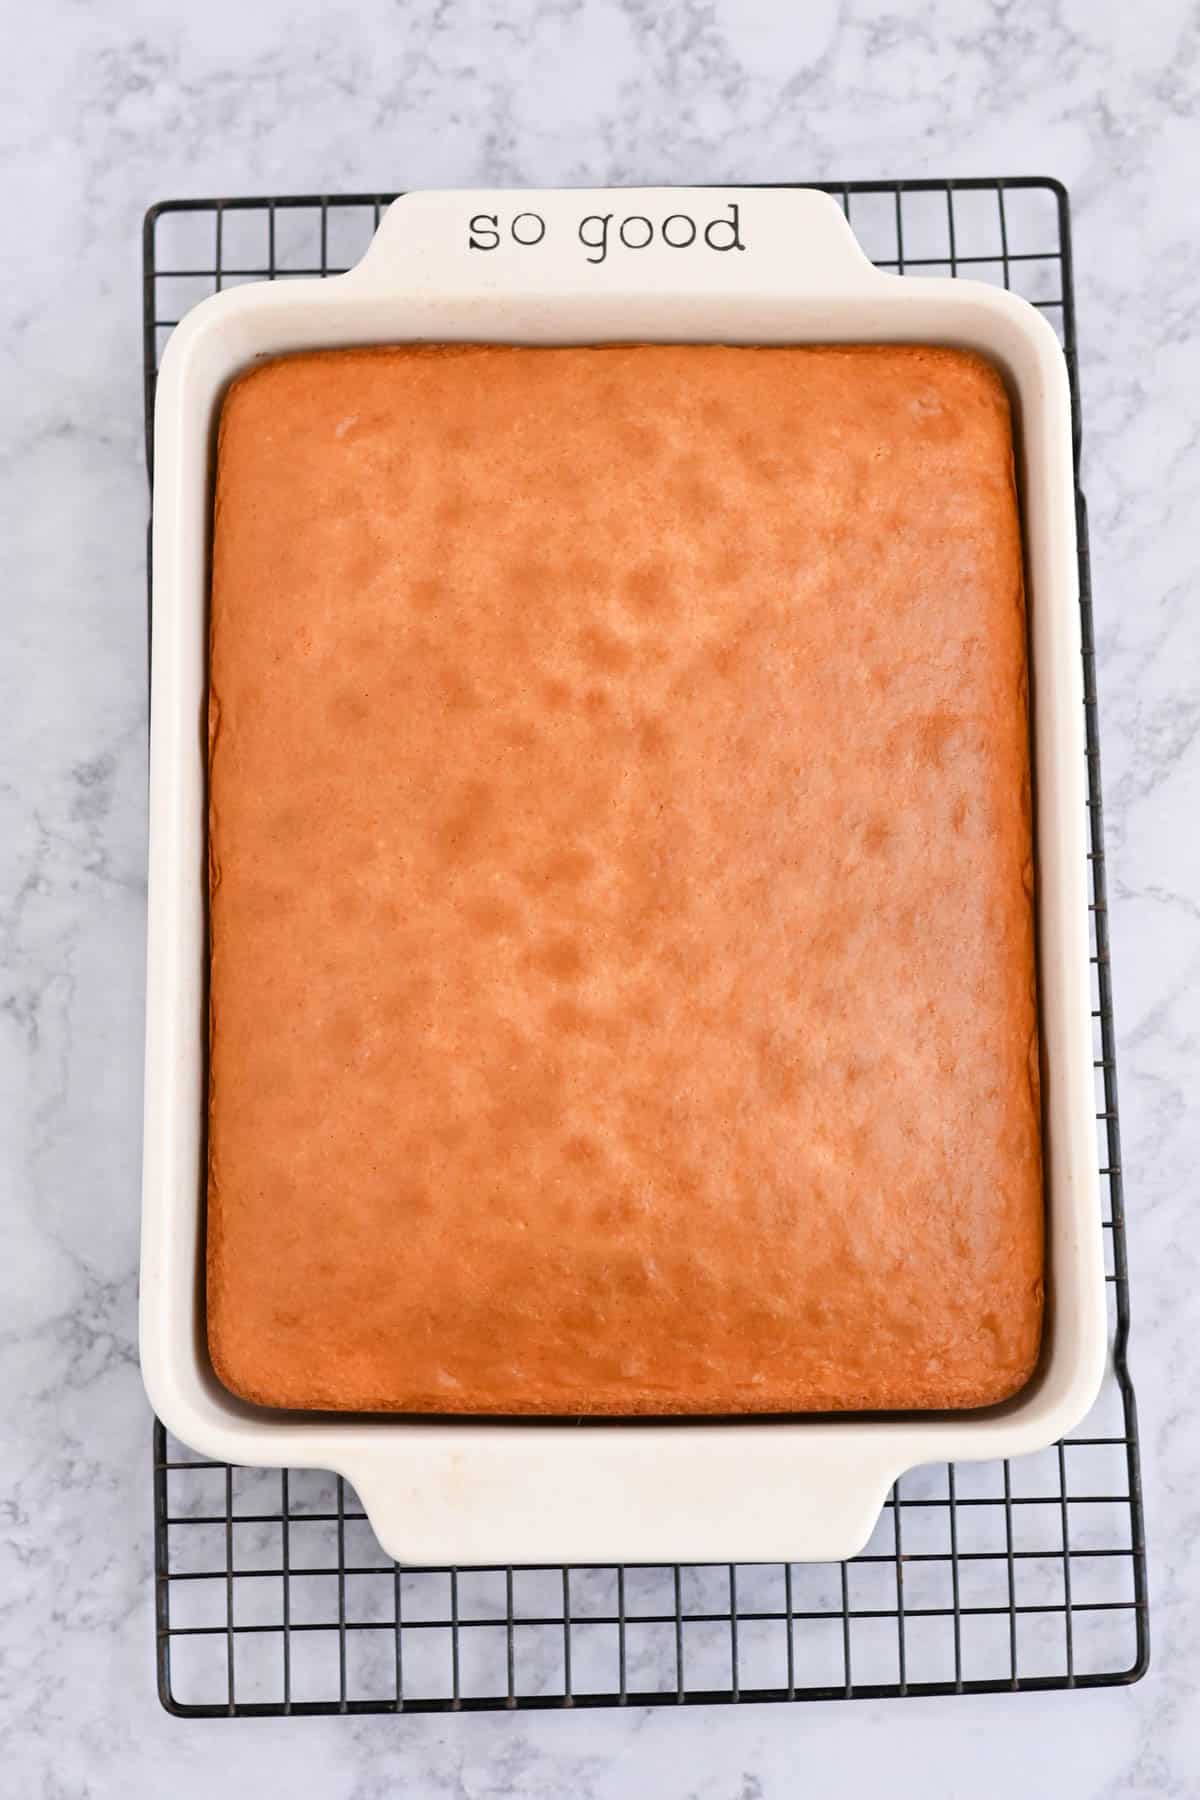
(272, 1594)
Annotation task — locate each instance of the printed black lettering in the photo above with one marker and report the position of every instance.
(636, 219)
(484, 231)
(731, 225)
(679, 243)
(603, 220)
(539, 223)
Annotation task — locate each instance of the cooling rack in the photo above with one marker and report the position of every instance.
(272, 1595)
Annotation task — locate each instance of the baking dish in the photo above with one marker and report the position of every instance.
(754, 266)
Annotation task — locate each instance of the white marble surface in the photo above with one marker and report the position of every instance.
(108, 108)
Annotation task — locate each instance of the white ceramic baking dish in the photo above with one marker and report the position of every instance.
(743, 266)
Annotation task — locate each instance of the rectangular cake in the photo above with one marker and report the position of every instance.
(622, 960)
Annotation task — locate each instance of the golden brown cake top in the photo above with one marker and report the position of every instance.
(622, 958)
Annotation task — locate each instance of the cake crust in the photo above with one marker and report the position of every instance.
(622, 988)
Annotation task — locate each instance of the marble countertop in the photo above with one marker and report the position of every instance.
(109, 108)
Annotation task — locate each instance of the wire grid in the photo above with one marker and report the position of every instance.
(273, 1595)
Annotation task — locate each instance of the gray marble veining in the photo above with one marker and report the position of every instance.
(108, 108)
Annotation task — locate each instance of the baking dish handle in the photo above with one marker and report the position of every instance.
(621, 1494)
(686, 240)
